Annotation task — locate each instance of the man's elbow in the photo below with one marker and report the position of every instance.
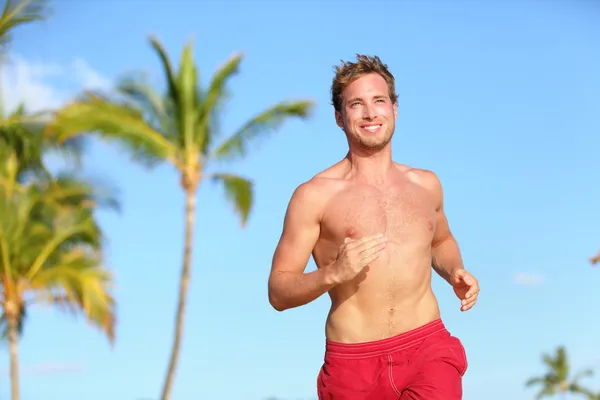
(277, 305)
(274, 300)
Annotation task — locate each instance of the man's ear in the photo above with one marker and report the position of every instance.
(396, 110)
(339, 120)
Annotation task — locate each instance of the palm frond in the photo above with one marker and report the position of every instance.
(69, 189)
(52, 249)
(71, 227)
(576, 388)
(211, 101)
(583, 374)
(269, 120)
(114, 121)
(137, 89)
(172, 89)
(77, 284)
(186, 85)
(535, 381)
(238, 191)
(23, 135)
(546, 391)
(20, 12)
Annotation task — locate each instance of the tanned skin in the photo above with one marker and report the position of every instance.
(374, 227)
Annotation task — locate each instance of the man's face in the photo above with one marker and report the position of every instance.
(367, 114)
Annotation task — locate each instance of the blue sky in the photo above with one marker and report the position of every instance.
(501, 99)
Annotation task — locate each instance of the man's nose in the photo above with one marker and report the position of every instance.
(369, 111)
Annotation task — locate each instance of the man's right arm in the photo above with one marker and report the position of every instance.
(289, 286)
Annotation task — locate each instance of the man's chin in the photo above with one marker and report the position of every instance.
(373, 144)
(372, 147)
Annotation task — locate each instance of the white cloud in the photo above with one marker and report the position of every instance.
(528, 279)
(51, 369)
(43, 85)
(88, 77)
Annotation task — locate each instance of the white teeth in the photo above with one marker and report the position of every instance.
(372, 128)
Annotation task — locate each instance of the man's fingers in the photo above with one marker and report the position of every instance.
(364, 240)
(474, 287)
(369, 244)
(369, 259)
(467, 304)
(468, 300)
(472, 292)
(377, 248)
(370, 247)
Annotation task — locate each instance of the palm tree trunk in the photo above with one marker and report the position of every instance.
(13, 341)
(190, 214)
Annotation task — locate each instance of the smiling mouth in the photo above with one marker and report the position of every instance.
(372, 128)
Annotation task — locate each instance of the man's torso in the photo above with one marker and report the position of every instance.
(393, 294)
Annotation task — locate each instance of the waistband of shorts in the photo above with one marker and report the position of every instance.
(386, 346)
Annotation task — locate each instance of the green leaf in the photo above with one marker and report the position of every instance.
(138, 91)
(22, 136)
(239, 193)
(16, 13)
(51, 248)
(78, 285)
(186, 85)
(114, 121)
(211, 101)
(269, 120)
(172, 88)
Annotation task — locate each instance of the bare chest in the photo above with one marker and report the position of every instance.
(401, 212)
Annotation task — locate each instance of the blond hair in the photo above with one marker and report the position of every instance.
(348, 72)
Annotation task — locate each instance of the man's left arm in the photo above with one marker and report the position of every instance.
(446, 258)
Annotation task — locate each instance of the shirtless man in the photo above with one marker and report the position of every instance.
(375, 229)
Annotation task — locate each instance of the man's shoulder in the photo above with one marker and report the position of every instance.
(320, 188)
(421, 176)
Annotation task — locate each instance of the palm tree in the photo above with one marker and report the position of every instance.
(50, 252)
(50, 246)
(179, 128)
(557, 379)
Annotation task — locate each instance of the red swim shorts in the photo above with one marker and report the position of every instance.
(424, 363)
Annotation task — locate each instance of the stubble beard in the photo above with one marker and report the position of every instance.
(372, 144)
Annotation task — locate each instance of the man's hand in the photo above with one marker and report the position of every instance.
(354, 255)
(466, 288)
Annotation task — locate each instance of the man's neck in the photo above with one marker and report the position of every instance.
(371, 167)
